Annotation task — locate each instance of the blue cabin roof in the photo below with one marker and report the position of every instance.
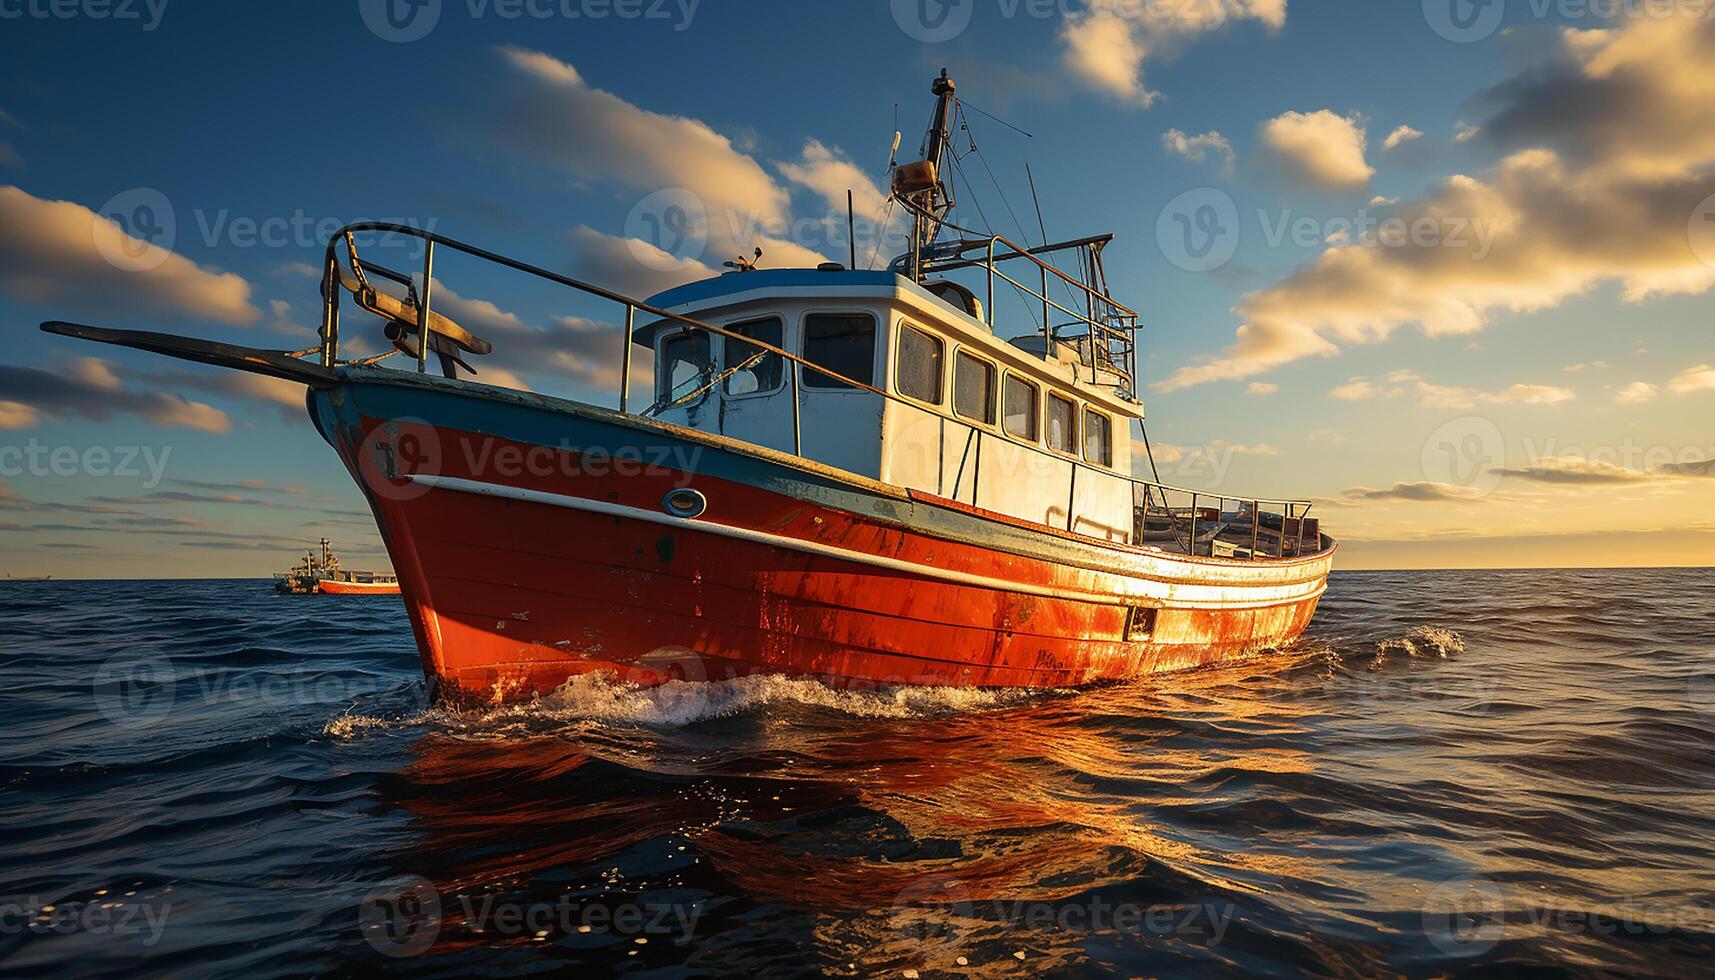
(738, 282)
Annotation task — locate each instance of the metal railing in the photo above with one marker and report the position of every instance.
(1111, 325)
(1146, 518)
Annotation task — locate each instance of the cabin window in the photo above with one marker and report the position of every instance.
(755, 370)
(973, 388)
(918, 367)
(685, 366)
(1021, 402)
(1098, 439)
(843, 343)
(1062, 424)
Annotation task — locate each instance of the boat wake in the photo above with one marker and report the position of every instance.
(676, 704)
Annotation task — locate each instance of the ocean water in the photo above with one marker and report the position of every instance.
(1454, 773)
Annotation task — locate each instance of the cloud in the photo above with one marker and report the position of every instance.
(1199, 149)
(1429, 395)
(175, 497)
(1581, 471)
(830, 173)
(1598, 191)
(1106, 43)
(247, 485)
(56, 252)
(1362, 389)
(1699, 378)
(1240, 449)
(1263, 388)
(90, 389)
(1400, 136)
(17, 415)
(1693, 468)
(12, 500)
(583, 351)
(1416, 492)
(630, 266)
(1319, 149)
(1636, 393)
(286, 396)
(551, 114)
(1575, 471)
(1327, 435)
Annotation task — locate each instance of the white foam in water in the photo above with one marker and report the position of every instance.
(350, 726)
(1425, 641)
(596, 698)
(593, 697)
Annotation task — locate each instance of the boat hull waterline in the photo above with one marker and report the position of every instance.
(334, 587)
(537, 540)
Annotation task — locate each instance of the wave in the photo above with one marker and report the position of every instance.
(676, 704)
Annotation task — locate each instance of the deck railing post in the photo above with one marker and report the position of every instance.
(1191, 549)
(977, 471)
(1290, 509)
(1072, 496)
(1045, 305)
(625, 361)
(989, 313)
(797, 432)
(330, 312)
(1301, 518)
(423, 307)
(1256, 526)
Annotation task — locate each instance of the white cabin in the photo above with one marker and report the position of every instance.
(978, 420)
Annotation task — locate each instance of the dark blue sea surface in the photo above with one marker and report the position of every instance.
(1454, 773)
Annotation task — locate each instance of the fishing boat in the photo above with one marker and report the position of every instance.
(324, 575)
(855, 475)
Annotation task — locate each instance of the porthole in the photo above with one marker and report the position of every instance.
(684, 502)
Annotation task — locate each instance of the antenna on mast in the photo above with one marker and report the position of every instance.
(919, 185)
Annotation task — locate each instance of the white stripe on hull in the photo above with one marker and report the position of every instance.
(1126, 589)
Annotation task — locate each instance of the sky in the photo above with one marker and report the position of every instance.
(1445, 267)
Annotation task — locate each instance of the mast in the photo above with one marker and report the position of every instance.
(920, 185)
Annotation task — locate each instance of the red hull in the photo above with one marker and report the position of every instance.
(517, 583)
(357, 588)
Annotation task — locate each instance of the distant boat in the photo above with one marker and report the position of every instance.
(845, 474)
(27, 578)
(324, 575)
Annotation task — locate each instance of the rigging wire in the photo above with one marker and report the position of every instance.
(1071, 297)
(959, 169)
(998, 119)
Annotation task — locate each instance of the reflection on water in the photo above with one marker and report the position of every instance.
(1454, 772)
